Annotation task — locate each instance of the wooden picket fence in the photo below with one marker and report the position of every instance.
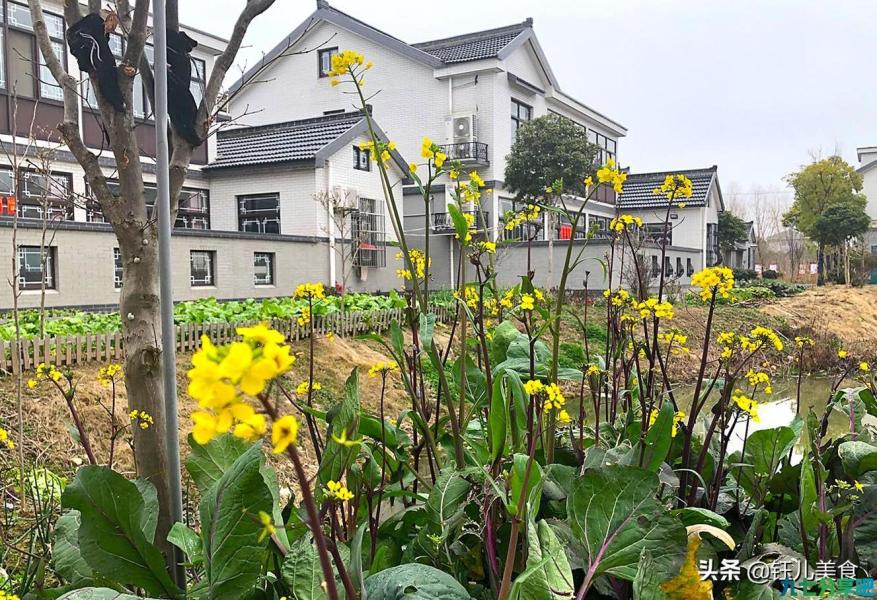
(69, 351)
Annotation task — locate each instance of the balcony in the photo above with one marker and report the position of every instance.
(468, 153)
(443, 223)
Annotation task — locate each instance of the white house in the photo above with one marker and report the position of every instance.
(867, 156)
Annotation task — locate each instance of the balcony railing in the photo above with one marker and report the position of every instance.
(442, 222)
(474, 153)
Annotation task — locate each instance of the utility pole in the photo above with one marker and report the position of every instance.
(168, 334)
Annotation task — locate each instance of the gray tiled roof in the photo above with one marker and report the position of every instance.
(281, 142)
(473, 46)
(639, 188)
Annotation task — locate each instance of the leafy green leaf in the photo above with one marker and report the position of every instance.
(658, 439)
(647, 583)
(207, 463)
(302, 573)
(550, 576)
(66, 555)
(447, 496)
(613, 512)
(230, 526)
(693, 515)
(414, 581)
(186, 540)
(533, 489)
(857, 457)
(498, 419)
(92, 593)
(765, 450)
(460, 224)
(111, 536)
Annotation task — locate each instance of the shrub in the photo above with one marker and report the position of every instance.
(770, 274)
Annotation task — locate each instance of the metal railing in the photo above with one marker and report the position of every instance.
(442, 221)
(467, 152)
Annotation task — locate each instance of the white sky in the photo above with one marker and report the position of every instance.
(754, 87)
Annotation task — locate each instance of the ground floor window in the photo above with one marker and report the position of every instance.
(202, 268)
(36, 266)
(117, 268)
(263, 268)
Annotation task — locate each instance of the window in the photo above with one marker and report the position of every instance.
(657, 233)
(679, 271)
(598, 227)
(668, 267)
(259, 213)
(361, 159)
(202, 265)
(607, 146)
(37, 192)
(263, 268)
(193, 211)
(36, 267)
(117, 268)
(367, 229)
(324, 58)
(2, 58)
(29, 74)
(521, 113)
(199, 80)
(656, 270)
(689, 267)
(712, 244)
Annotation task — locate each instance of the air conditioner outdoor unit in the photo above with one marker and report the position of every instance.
(462, 129)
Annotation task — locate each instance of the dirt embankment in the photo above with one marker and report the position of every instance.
(850, 314)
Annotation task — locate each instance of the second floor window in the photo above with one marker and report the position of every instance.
(259, 213)
(193, 210)
(521, 113)
(324, 58)
(361, 159)
(28, 73)
(35, 267)
(606, 146)
(202, 265)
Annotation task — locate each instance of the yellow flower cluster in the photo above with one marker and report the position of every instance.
(304, 317)
(678, 417)
(624, 222)
(8, 596)
(842, 353)
(470, 224)
(767, 336)
(380, 149)
(284, 433)
(337, 491)
(107, 374)
(268, 528)
(382, 368)
(609, 173)
(593, 370)
(471, 190)
(350, 63)
(864, 367)
(619, 298)
(221, 375)
(142, 418)
(675, 340)
(551, 393)
(746, 404)
(525, 215)
(675, 187)
(528, 302)
(718, 280)
(489, 247)
(661, 310)
(759, 378)
(801, 341)
(304, 388)
(418, 261)
(5, 440)
(44, 371)
(431, 151)
(313, 291)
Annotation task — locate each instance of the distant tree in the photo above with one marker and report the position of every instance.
(732, 230)
(546, 150)
(818, 186)
(838, 225)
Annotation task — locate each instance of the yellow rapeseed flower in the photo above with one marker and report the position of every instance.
(284, 433)
(713, 280)
(268, 528)
(337, 491)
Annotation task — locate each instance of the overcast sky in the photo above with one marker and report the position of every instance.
(754, 87)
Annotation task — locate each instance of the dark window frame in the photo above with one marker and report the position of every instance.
(517, 120)
(272, 269)
(330, 52)
(94, 214)
(368, 233)
(264, 219)
(51, 268)
(35, 54)
(23, 199)
(362, 159)
(118, 269)
(210, 279)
